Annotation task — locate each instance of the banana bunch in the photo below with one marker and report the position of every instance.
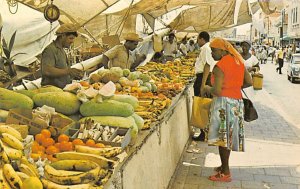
(11, 176)
(101, 161)
(72, 174)
(11, 146)
(3, 182)
(105, 152)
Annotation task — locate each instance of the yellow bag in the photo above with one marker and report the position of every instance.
(200, 112)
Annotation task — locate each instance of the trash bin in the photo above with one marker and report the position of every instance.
(257, 79)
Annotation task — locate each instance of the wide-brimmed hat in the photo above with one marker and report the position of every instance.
(66, 28)
(132, 37)
(246, 41)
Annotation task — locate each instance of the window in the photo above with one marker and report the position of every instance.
(294, 15)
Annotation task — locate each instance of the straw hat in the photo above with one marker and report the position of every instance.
(66, 28)
(132, 37)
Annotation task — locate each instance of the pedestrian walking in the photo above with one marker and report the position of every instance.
(279, 60)
(264, 55)
(226, 127)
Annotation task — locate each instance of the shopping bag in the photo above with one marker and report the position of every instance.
(200, 112)
(250, 113)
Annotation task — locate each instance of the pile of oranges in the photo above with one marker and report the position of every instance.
(44, 146)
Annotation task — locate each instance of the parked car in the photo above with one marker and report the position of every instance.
(293, 70)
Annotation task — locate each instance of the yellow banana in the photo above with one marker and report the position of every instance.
(22, 176)
(12, 153)
(12, 131)
(3, 182)
(81, 178)
(3, 156)
(105, 152)
(30, 165)
(12, 141)
(12, 177)
(25, 169)
(51, 185)
(74, 165)
(101, 161)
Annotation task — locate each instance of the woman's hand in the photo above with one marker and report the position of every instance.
(206, 91)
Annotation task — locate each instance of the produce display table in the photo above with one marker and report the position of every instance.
(152, 161)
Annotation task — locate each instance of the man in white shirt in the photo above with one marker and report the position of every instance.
(203, 67)
(170, 47)
(183, 47)
(191, 46)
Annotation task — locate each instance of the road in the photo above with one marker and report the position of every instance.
(285, 93)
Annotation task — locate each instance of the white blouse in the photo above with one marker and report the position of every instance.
(252, 61)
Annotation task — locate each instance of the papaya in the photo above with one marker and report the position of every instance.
(106, 108)
(63, 102)
(138, 120)
(133, 101)
(45, 89)
(116, 121)
(10, 99)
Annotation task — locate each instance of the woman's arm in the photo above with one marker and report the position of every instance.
(247, 79)
(216, 89)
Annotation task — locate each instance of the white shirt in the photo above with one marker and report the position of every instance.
(183, 48)
(190, 48)
(250, 62)
(203, 58)
(169, 48)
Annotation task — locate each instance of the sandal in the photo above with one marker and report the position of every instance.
(218, 169)
(220, 177)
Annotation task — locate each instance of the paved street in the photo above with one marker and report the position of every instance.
(272, 157)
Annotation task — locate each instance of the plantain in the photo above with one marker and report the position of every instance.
(51, 185)
(22, 176)
(12, 177)
(74, 165)
(30, 165)
(101, 161)
(11, 153)
(10, 130)
(12, 141)
(105, 152)
(81, 178)
(3, 182)
(25, 169)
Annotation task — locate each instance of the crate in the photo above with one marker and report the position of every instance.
(126, 132)
(58, 124)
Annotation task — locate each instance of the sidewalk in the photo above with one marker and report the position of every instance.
(271, 160)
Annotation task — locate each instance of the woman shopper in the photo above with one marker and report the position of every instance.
(251, 62)
(264, 55)
(226, 127)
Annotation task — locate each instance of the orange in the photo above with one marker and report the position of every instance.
(57, 145)
(51, 158)
(99, 145)
(63, 137)
(47, 142)
(52, 150)
(77, 141)
(35, 156)
(90, 142)
(39, 138)
(84, 83)
(41, 149)
(46, 133)
(34, 148)
(35, 143)
(66, 146)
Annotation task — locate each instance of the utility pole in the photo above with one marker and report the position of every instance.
(281, 28)
(268, 30)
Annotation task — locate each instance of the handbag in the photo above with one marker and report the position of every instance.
(250, 113)
(200, 112)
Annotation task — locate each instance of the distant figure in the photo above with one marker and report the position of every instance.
(251, 62)
(264, 55)
(280, 60)
(191, 46)
(170, 47)
(183, 47)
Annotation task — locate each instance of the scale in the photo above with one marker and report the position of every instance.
(51, 12)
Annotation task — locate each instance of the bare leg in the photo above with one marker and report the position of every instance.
(224, 155)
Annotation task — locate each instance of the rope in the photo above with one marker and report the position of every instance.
(125, 17)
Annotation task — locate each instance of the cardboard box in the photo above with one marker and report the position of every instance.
(58, 124)
(118, 131)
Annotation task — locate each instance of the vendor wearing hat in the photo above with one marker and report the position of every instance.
(56, 70)
(122, 55)
(251, 62)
